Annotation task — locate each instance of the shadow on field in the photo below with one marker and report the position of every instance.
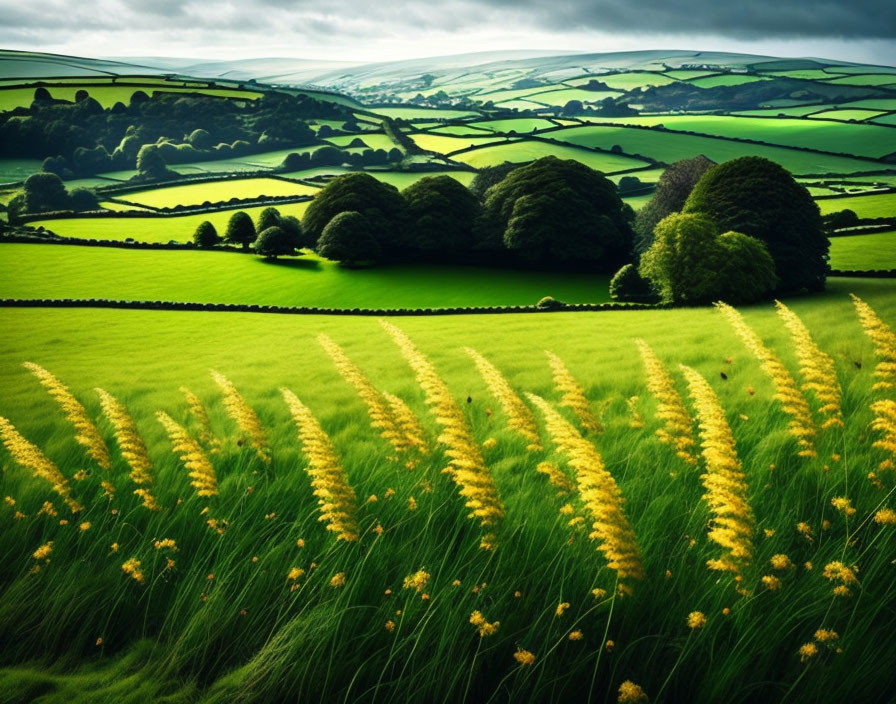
(293, 263)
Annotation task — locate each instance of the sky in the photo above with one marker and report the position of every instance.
(384, 30)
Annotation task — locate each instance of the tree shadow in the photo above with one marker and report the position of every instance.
(292, 263)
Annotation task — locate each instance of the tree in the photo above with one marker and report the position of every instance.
(489, 176)
(45, 192)
(206, 235)
(274, 242)
(240, 230)
(83, 199)
(441, 215)
(42, 94)
(628, 286)
(150, 162)
(200, 139)
(380, 203)
(690, 263)
(81, 95)
(759, 198)
(348, 238)
(269, 217)
(558, 211)
(672, 190)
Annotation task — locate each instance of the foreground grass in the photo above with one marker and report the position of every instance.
(219, 626)
(59, 271)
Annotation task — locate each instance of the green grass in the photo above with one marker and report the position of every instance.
(56, 271)
(626, 81)
(670, 147)
(859, 115)
(216, 191)
(524, 151)
(796, 111)
(108, 95)
(881, 205)
(374, 141)
(870, 79)
(809, 74)
(12, 170)
(445, 144)
(403, 179)
(519, 125)
(563, 95)
(862, 252)
(423, 113)
(724, 80)
(179, 228)
(244, 636)
(859, 140)
(886, 119)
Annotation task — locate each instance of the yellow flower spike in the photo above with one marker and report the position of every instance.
(467, 466)
(600, 494)
(884, 340)
(519, 417)
(573, 395)
(41, 466)
(636, 420)
(200, 415)
(335, 495)
(792, 400)
(884, 423)
(678, 426)
(244, 417)
(201, 472)
(132, 447)
(86, 433)
(408, 423)
(816, 368)
(732, 525)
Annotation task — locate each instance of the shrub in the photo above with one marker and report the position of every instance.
(206, 235)
(44, 192)
(690, 263)
(759, 198)
(348, 238)
(549, 303)
(83, 199)
(274, 242)
(627, 285)
(832, 221)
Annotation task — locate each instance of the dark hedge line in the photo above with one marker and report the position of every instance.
(306, 310)
(865, 273)
(50, 238)
(232, 204)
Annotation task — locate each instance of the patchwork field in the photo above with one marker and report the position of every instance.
(864, 252)
(215, 191)
(518, 152)
(869, 206)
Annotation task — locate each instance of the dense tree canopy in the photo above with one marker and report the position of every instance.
(240, 229)
(441, 214)
(380, 203)
(555, 211)
(348, 239)
(275, 242)
(489, 176)
(759, 198)
(690, 263)
(672, 191)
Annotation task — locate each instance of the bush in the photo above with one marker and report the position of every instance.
(832, 221)
(348, 238)
(549, 303)
(759, 198)
(83, 199)
(627, 285)
(206, 235)
(45, 192)
(274, 242)
(690, 263)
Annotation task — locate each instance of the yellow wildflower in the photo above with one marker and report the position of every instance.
(843, 504)
(417, 581)
(201, 471)
(573, 395)
(43, 552)
(825, 635)
(807, 651)
(696, 619)
(884, 340)
(631, 693)
(295, 573)
(524, 657)
(885, 517)
(246, 419)
(338, 580)
(133, 569)
(561, 608)
(781, 562)
(576, 635)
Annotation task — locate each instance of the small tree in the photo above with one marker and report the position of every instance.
(150, 162)
(45, 192)
(206, 235)
(240, 230)
(274, 242)
(200, 139)
(628, 286)
(83, 199)
(348, 239)
(269, 217)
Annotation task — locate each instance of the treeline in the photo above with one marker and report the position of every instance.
(83, 138)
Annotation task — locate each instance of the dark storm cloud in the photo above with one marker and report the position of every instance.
(52, 21)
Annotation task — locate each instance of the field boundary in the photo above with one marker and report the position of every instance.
(311, 310)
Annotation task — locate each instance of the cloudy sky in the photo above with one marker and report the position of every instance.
(380, 30)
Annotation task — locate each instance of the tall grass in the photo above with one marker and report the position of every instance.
(235, 589)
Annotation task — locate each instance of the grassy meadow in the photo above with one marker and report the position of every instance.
(246, 596)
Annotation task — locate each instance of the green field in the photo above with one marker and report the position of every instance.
(724, 80)
(108, 95)
(870, 79)
(861, 140)
(12, 170)
(519, 125)
(423, 113)
(882, 205)
(859, 115)
(445, 144)
(216, 191)
(58, 271)
(626, 81)
(519, 152)
(373, 141)
(864, 252)
(671, 146)
(179, 228)
(208, 627)
(886, 119)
